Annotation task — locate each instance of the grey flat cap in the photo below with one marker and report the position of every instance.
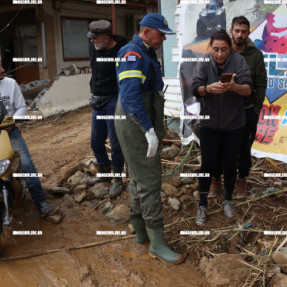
(99, 27)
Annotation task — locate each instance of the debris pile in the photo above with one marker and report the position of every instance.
(246, 250)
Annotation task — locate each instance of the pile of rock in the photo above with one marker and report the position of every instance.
(78, 189)
(229, 270)
(279, 271)
(178, 191)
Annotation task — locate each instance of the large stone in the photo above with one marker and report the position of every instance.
(272, 270)
(280, 258)
(203, 264)
(89, 161)
(174, 203)
(162, 194)
(186, 180)
(80, 197)
(69, 171)
(99, 190)
(56, 218)
(76, 179)
(120, 214)
(107, 207)
(226, 271)
(279, 280)
(169, 189)
(131, 229)
(80, 187)
(170, 152)
(92, 169)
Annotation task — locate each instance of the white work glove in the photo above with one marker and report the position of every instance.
(152, 142)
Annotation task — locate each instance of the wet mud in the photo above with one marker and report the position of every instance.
(57, 145)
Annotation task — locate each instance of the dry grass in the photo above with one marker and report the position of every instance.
(263, 210)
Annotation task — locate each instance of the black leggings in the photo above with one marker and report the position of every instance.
(211, 142)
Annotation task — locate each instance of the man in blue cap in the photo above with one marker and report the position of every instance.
(141, 101)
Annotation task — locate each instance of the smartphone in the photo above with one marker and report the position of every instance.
(226, 78)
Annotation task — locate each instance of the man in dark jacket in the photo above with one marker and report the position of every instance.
(253, 104)
(104, 48)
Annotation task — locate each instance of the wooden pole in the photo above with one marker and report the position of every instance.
(114, 18)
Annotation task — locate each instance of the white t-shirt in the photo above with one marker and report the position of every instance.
(12, 97)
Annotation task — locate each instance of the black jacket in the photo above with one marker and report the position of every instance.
(255, 60)
(226, 110)
(104, 79)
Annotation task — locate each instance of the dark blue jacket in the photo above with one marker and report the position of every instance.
(140, 72)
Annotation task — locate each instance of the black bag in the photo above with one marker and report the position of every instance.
(98, 102)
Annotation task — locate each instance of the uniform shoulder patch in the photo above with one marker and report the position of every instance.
(131, 56)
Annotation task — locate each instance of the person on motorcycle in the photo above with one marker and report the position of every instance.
(14, 102)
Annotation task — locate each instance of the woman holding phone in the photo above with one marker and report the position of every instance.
(220, 84)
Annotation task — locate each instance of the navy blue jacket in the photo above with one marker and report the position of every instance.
(140, 72)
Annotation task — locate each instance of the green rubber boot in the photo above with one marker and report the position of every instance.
(158, 249)
(140, 229)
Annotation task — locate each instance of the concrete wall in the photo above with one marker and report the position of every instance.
(66, 94)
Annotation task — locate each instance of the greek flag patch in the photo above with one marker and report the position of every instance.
(131, 58)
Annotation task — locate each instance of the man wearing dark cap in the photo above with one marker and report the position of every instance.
(142, 102)
(104, 48)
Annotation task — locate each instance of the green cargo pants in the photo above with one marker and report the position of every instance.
(145, 173)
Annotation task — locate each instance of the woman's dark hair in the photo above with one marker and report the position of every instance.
(220, 35)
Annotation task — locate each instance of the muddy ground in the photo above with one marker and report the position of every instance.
(72, 254)
(57, 144)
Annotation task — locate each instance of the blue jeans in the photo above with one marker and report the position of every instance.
(100, 130)
(33, 183)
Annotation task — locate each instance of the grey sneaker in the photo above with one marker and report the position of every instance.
(201, 215)
(47, 209)
(228, 208)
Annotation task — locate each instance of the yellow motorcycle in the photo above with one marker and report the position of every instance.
(11, 188)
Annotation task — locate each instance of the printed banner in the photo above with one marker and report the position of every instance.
(269, 34)
(270, 37)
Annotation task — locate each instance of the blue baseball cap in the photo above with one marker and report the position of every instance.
(157, 21)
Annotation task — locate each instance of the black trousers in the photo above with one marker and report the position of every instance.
(244, 159)
(218, 146)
